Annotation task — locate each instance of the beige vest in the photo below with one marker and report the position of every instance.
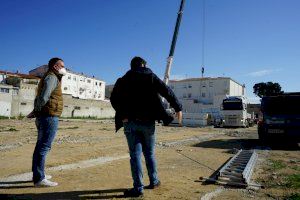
(54, 106)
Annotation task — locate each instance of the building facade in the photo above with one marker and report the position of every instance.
(6, 94)
(17, 93)
(77, 85)
(205, 94)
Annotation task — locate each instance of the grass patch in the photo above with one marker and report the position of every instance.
(277, 164)
(293, 197)
(297, 168)
(293, 181)
(4, 117)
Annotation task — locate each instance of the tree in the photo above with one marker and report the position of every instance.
(267, 89)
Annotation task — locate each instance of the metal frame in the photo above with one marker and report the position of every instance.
(238, 170)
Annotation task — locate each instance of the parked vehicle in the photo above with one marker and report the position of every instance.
(234, 112)
(281, 117)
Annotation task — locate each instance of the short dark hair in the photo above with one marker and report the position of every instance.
(137, 62)
(52, 62)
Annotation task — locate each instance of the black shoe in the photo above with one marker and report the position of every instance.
(133, 193)
(153, 186)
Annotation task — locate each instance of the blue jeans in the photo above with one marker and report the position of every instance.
(141, 138)
(47, 128)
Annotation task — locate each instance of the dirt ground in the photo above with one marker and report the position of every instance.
(90, 161)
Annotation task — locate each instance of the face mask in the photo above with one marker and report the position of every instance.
(62, 71)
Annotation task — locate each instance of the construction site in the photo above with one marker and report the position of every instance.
(223, 145)
(90, 161)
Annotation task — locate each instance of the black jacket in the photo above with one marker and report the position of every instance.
(136, 95)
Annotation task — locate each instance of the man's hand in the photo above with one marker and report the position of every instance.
(31, 115)
(179, 117)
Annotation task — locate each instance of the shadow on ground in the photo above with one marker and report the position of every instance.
(243, 143)
(70, 195)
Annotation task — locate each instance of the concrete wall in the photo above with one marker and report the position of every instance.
(74, 107)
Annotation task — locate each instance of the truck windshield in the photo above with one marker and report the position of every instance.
(232, 105)
(281, 105)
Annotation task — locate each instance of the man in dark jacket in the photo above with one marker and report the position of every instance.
(137, 102)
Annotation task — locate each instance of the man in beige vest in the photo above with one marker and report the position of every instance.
(48, 106)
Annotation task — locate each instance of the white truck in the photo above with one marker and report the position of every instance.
(234, 112)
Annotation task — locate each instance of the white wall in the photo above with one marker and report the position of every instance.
(204, 90)
(2, 77)
(235, 89)
(5, 100)
(200, 94)
(83, 87)
(77, 85)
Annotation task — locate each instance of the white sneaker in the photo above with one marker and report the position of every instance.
(48, 176)
(45, 183)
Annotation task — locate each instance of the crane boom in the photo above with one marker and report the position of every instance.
(172, 49)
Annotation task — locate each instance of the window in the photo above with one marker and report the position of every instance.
(210, 84)
(4, 90)
(69, 77)
(23, 103)
(190, 86)
(189, 95)
(65, 88)
(203, 94)
(74, 78)
(100, 84)
(96, 83)
(89, 81)
(77, 108)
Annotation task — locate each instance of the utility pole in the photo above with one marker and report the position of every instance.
(171, 54)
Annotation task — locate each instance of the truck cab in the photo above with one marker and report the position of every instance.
(234, 112)
(280, 117)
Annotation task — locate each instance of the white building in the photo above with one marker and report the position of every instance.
(205, 94)
(78, 85)
(6, 92)
(17, 93)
